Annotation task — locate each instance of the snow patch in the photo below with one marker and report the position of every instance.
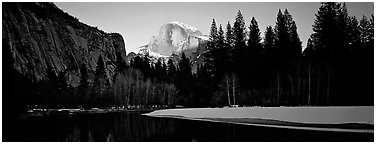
(318, 115)
(185, 26)
(145, 51)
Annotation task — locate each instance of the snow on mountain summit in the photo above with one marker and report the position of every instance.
(185, 26)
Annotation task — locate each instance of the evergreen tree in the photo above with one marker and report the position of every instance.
(100, 81)
(354, 35)
(371, 32)
(294, 63)
(159, 69)
(268, 38)
(137, 63)
(309, 68)
(240, 54)
(120, 63)
(84, 84)
(171, 70)
(270, 62)
(364, 23)
(51, 86)
(62, 83)
(184, 68)
(362, 55)
(211, 49)
(239, 31)
(254, 41)
(254, 49)
(184, 81)
(220, 56)
(229, 45)
(146, 67)
(330, 40)
(366, 31)
(281, 56)
(164, 69)
(100, 71)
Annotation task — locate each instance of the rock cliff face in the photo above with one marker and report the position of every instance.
(41, 36)
(174, 38)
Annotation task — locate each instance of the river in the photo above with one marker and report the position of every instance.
(134, 127)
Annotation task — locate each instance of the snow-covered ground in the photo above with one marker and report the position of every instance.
(317, 115)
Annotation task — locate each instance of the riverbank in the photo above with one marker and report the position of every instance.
(40, 112)
(341, 119)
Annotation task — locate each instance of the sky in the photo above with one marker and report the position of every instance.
(137, 22)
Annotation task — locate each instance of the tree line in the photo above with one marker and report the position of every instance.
(240, 67)
(336, 67)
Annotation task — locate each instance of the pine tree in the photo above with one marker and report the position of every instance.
(229, 45)
(220, 56)
(62, 83)
(171, 70)
(120, 63)
(363, 62)
(51, 85)
(211, 49)
(270, 60)
(100, 81)
(354, 34)
(330, 40)
(371, 31)
(159, 69)
(184, 66)
(240, 54)
(184, 80)
(254, 49)
(309, 66)
(164, 68)
(281, 56)
(100, 69)
(366, 30)
(146, 67)
(294, 63)
(254, 41)
(137, 63)
(62, 88)
(239, 31)
(83, 81)
(268, 38)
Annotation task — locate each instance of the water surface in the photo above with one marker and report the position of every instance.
(132, 126)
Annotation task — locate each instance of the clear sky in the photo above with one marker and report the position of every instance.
(138, 22)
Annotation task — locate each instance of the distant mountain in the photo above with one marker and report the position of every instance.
(173, 39)
(41, 36)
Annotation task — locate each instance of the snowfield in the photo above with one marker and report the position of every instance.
(308, 115)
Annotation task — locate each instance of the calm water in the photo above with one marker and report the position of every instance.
(132, 126)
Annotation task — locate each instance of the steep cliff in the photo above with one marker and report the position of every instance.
(173, 39)
(41, 36)
(176, 37)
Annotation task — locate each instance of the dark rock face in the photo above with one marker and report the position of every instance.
(41, 36)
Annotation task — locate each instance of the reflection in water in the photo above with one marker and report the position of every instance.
(128, 126)
(132, 126)
(122, 126)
